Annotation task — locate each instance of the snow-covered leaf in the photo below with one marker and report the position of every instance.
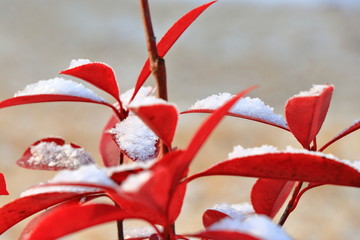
(3, 190)
(98, 74)
(54, 154)
(306, 112)
(291, 165)
(160, 116)
(258, 226)
(135, 139)
(248, 108)
(109, 150)
(268, 195)
(355, 126)
(224, 235)
(168, 40)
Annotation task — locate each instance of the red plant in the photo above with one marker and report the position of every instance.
(146, 178)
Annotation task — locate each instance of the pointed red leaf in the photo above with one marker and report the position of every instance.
(86, 216)
(40, 98)
(212, 216)
(109, 150)
(224, 235)
(160, 118)
(24, 207)
(268, 195)
(3, 190)
(58, 155)
(304, 167)
(98, 74)
(168, 40)
(306, 112)
(355, 126)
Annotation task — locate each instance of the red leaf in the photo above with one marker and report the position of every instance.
(288, 166)
(98, 74)
(268, 195)
(355, 126)
(224, 235)
(109, 150)
(160, 118)
(86, 216)
(212, 216)
(239, 116)
(53, 163)
(168, 40)
(39, 98)
(305, 114)
(24, 207)
(3, 190)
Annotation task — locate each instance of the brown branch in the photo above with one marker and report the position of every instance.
(290, 206)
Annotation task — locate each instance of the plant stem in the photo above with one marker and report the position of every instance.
(120, 229)
(157, 63)
(289, 207)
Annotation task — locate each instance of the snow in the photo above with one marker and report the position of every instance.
(235, 211)
(135, 138)
(53, 155)
(130, 166)
(59, 86)
(239, 151)
(49, 189)
(316, 90)
(250, 107)
(143, 92)
(135, 181)
(139, 232)
(78, 62)
(89, 174)
(148, 101)
(256, 225)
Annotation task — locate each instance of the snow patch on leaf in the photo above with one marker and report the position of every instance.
(239, 151)
(316, 90)
(58, 156)
(59, 86)
(257, 225)
(78, 62)
(135, 139)
(235, 211)
(49, 189)
(147, 101)
(139, 232)
(89, 174)
(142, 93)
(251, 107)
(135, 181)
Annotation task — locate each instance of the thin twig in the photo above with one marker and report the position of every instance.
(289, 207)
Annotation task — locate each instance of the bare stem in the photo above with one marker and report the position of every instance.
(289, 207)
(157, 63)
(120, 229)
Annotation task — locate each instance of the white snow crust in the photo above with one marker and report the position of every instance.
(139, 232)
(235, 211)
(89, 174)
(256, 225)
(251, 107)
(142, 93)
(148, 101)
(316, 90)
(135, 181)
(78, 62)
(53, 155)
(59, 86)
(135, 138)
(48, 189)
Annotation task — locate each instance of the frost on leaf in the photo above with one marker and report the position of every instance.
(239, 151)
(135, 139)
(316, 90)
(135, 181)
(235, 211)
(253, 108)
(256, 225)
(59, 86)
(52, 156)
(142, 93)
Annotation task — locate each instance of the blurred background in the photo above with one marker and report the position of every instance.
(283, 46)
